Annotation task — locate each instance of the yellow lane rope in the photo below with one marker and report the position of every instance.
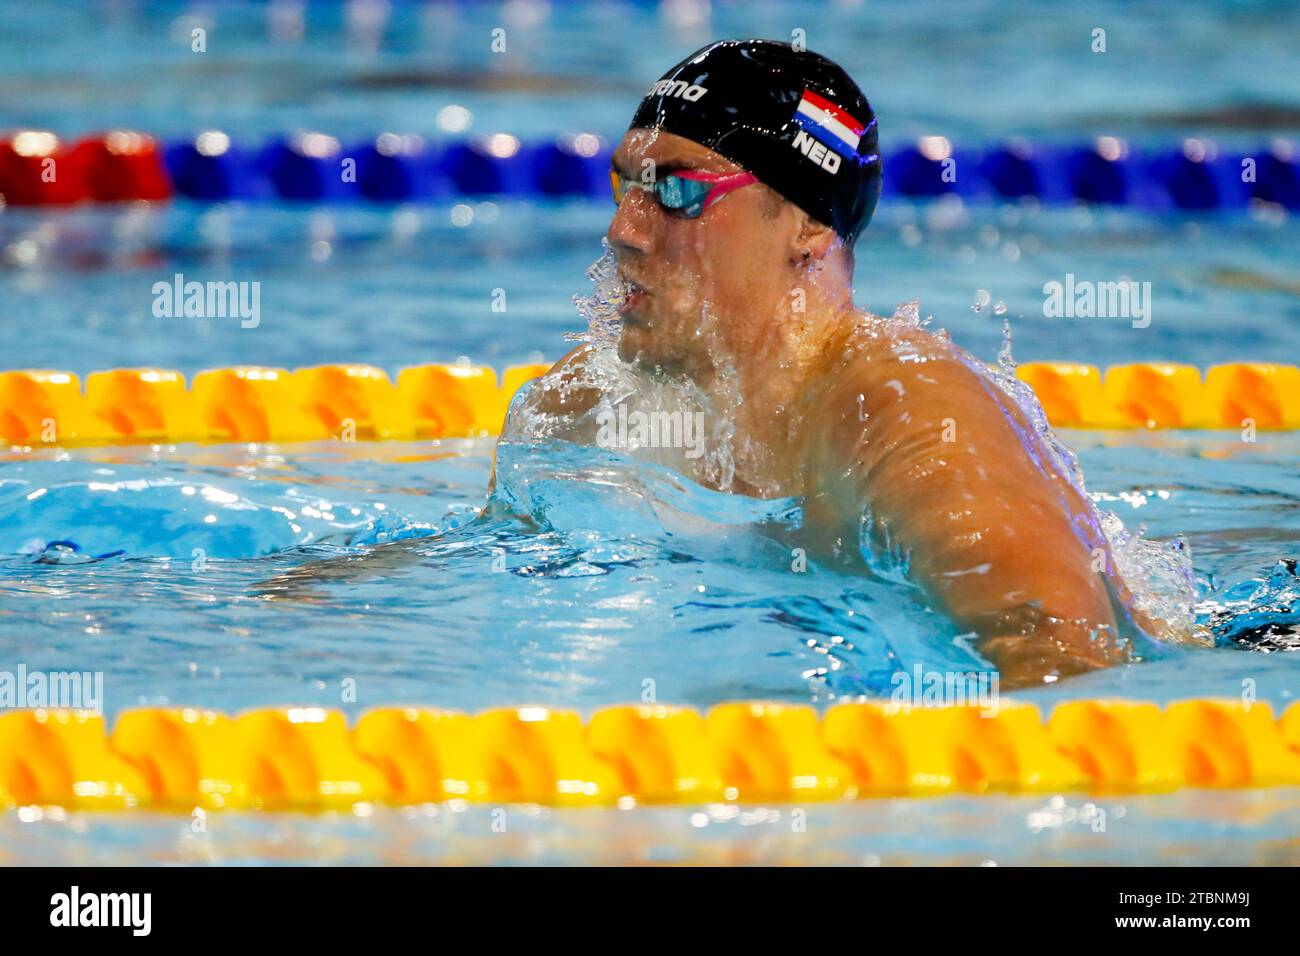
(309, 758)
(361, 402)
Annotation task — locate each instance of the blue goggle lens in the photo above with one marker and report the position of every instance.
(684, 196)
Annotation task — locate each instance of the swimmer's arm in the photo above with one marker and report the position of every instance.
(1003, 547)
(560, 394)
(566, 395)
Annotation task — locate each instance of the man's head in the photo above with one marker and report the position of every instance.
(729, 246)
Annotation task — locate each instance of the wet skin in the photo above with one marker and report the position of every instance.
(860, 415)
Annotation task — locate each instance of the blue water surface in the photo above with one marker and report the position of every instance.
(239, 576)
(271, 575)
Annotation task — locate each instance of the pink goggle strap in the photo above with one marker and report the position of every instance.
(723, 183)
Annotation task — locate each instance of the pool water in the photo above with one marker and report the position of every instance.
(1230, 828)
(237, 576)
(255, 576)
(250, 576)
(280, 606)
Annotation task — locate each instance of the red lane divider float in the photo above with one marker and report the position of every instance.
(39, 169)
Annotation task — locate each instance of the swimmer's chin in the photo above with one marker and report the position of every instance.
(634, 349)
(632, 342)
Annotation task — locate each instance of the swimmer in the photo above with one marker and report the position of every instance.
(742, 184)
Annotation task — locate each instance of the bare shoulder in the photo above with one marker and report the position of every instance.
(897, 371)
(564, 389)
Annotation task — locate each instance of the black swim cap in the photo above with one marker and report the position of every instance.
(792, 118)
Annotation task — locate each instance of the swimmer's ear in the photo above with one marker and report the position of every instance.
(813, 240)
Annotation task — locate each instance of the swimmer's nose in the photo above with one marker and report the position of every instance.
(630, 229)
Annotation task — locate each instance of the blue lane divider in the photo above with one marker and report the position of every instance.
(316, 167)
(1191, 176)
(390, 168)
(399, 168)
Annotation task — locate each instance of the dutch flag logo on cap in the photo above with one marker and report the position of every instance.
(828, 123)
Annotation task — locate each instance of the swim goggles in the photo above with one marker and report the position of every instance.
(687, 192)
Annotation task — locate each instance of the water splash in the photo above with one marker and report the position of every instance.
(1006, 360)
(908, 313)
(599, 308)
(615, 387)
(1159, 575)
(1261, 614)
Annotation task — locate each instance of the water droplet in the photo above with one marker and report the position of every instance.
(1000, 308)
(981, 299)
(1006, 361)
